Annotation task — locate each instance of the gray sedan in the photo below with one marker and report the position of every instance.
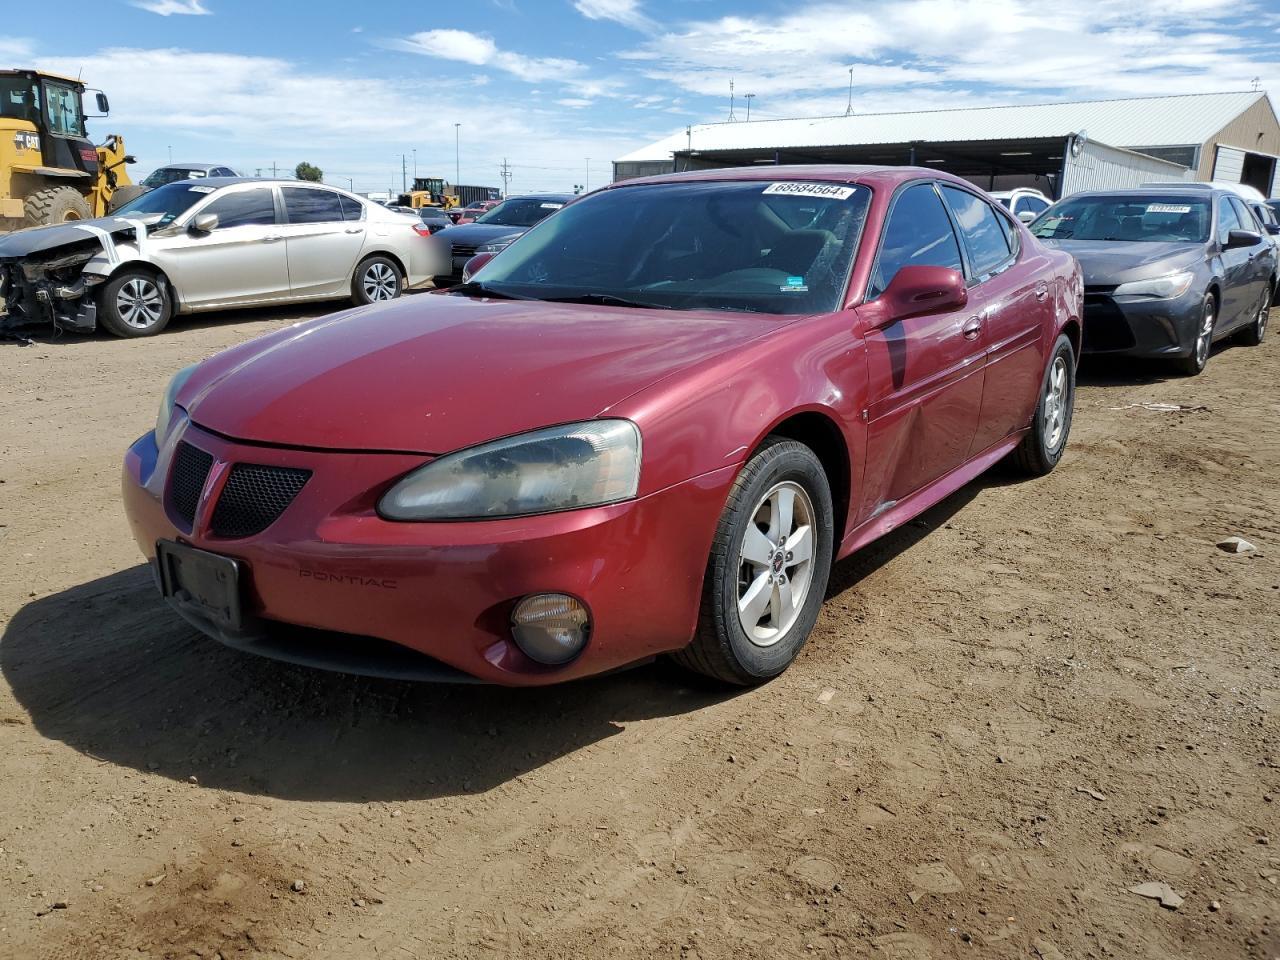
(1166, 273)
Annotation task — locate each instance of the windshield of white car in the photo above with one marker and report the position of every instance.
(521, 212)
(170, 201)
(1129, 219)
(750, 246)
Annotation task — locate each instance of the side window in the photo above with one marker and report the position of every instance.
(308, 205)
(1034, 204)
(987, 243)
(1227, 219)
(1245, 216)
(243, 208)
(352, 209)
(917, 233)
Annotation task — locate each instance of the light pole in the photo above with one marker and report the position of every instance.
(749, 97)
(457, 154)
(586, 180)
(415, 163)
(848, 110)
(171, 154)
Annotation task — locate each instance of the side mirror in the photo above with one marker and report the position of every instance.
(1241, 238)
(1272, 228)
(204, 223)
(130, 158)
(104, 105)
(1026, 216)
(474, 264)
(917, 290)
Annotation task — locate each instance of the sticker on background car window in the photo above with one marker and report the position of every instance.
(1168, 208)
(202, 189)
(551, 206)
(828, 190)
(795, 285)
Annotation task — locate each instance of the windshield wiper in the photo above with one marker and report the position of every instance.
(473, 288)
(607, 300)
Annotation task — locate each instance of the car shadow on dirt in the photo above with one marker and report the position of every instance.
(107, 668)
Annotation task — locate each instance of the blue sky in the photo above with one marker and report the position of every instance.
(551, 83)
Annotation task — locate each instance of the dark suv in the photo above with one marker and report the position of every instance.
(1167, 271)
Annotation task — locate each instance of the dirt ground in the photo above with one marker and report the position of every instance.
(1011, 712)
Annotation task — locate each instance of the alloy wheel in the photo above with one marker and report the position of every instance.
(1264, 314)
(380, 282)
(1204, 339)
(775, 565)
(1055, 403)
(139, 303)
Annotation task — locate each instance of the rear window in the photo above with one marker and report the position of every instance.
(521, 212)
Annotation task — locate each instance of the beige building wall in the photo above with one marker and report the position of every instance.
(1256, 130)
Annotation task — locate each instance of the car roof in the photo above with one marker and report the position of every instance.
(192, 166)
(872, 175)
(1241, 190)
(555, 197)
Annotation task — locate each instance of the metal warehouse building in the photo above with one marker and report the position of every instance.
(1061, 148)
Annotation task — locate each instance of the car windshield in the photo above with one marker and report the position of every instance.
(781, 248)
(158, 178)
(1152, 219)
(171, 201)
(521, 212)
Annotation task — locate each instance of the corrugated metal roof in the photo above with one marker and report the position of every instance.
(1136, 122)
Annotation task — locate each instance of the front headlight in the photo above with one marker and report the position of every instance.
(493, 246)
(165, 417)
(1157, 288)
(558, 468)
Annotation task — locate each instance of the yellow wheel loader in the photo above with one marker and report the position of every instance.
(50, 171)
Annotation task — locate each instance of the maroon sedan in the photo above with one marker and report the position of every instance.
(647, 427)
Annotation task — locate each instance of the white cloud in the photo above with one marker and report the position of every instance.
(625, 12)
(481, 51)
(575, 103)
(192, 8)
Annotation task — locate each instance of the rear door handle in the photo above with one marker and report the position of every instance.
(272, 239)
(355, 229)
(1042, 292)
(972, 327)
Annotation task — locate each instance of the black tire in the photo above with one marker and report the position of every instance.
(1256, 332)
(1042, 447)
(152, 306)
(123, 195)
(1194, 363)
(376, 279)
(55, 205)
(721, 648)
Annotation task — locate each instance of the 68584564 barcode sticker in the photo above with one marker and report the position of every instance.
(826, 191)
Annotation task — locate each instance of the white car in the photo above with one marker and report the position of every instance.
(212, 244)
(1024, 203)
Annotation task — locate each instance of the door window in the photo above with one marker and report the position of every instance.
(917, 233)
(352, 209)
(1245, 216)
(63, 110)
(987, 244)
(1034, 204)
(1227, 219)
(307, 205)
(243, 208)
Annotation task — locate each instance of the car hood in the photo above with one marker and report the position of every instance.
(474, 234)
(1111, 262)
(434, 373)
(35, 239)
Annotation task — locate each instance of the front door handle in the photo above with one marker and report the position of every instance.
(355, 229)
(972, 327)
(272, 239)
(1042, 292)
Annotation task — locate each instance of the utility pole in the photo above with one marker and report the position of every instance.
(505, 173)
(586, 181)
(415, 163)
(171, 148)
(404, 175)
(848, 110)
(257, 172)
(273, 170)
(457, 154)
(731, 116)
(749, 97)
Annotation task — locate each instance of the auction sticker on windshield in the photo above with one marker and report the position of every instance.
(822, 190)
(1168, 208)
(551, 206)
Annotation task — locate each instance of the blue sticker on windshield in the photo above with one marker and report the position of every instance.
(795, 285)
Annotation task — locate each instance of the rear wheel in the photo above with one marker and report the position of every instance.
(1195, 363)
(135, 304)
(1042, 447)
(377, 279)
(1256, 332)
(768, 569)
(55, 205)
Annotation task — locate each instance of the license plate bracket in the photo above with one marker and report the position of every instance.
(201, 583)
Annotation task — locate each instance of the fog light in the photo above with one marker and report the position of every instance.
(550, 628)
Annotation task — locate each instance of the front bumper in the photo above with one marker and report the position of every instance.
(1151, 328)
(445, 590)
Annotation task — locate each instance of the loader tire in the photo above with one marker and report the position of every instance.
(123, 195)
(56, 205)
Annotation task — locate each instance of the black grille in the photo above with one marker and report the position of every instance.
(191, 467)
(464, 250)
(1105, 326)
(253, 497)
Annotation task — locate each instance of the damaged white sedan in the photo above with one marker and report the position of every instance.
(210, 244)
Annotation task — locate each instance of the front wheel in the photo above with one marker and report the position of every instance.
(1195, 362)
(376, 280)
(1042, 447)
(135, 304)
(768, 569)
